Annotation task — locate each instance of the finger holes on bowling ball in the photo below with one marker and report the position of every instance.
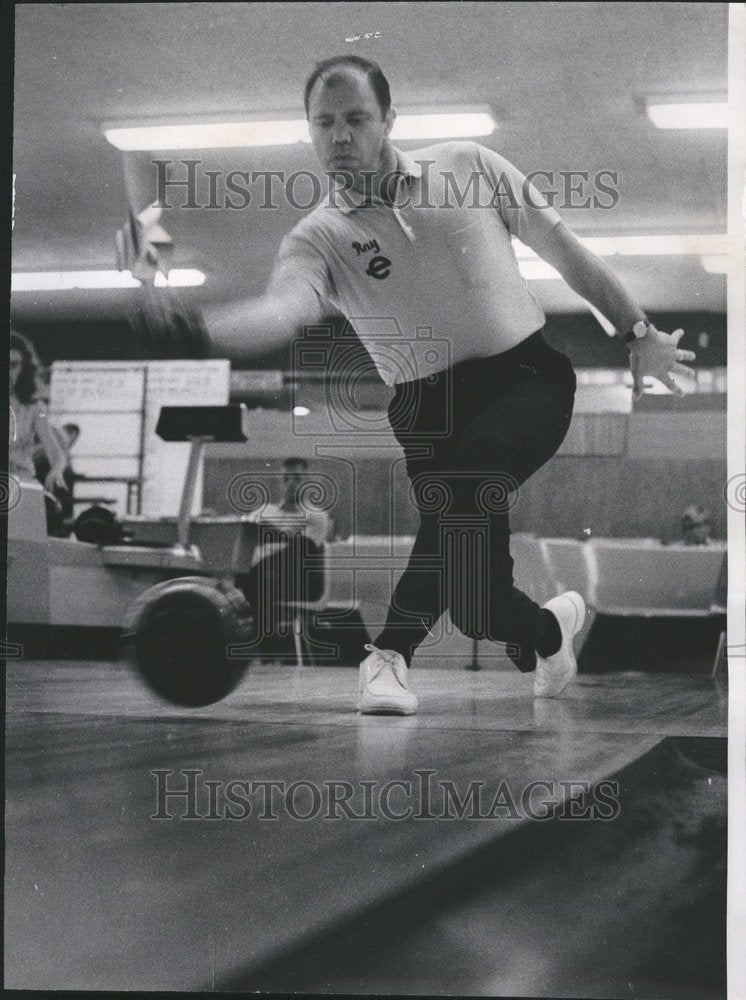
(180, 636)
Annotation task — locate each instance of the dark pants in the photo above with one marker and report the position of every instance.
(472, 435)
(292, 574)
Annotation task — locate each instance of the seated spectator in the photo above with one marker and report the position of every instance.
(695, 525)
(291, 533)
(294, 514)
(28, 424)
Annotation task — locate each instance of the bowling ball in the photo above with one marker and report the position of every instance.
(97, 525)
(179, 636)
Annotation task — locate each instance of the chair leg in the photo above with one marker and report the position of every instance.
(297, 641)
(720, 656)
(308, 643)
(475, 664)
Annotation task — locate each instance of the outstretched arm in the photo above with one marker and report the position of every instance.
(250, 329)
(165, 326)
(657, 354)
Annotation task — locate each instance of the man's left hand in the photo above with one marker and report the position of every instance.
(658, 355)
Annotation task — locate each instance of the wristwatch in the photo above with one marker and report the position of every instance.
(637, 332)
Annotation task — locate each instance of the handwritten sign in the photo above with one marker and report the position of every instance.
(96, 386)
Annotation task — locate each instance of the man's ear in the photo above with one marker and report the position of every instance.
(389, 119)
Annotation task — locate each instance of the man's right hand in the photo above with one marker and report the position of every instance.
(164, 326)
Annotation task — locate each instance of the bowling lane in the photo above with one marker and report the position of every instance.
(101, 895)
(622, 702)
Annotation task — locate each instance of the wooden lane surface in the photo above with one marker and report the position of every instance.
(624, 702)
(101, 895)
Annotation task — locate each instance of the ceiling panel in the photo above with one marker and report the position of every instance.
(564, 81)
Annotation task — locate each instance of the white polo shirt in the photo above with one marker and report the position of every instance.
(435, 280)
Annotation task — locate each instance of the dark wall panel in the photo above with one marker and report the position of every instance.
(611, 496)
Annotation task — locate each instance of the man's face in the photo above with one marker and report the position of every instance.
(293, 477)
(15, 365)
(347, 126)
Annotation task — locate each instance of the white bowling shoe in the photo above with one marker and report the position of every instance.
(383, 684)
(555, 672)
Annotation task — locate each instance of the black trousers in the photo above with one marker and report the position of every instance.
(472, 435)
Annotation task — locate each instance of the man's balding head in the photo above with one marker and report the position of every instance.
(332, 71)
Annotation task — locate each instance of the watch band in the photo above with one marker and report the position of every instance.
(637, 332)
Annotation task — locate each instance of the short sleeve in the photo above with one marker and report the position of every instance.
(299, 262)
(522, 207)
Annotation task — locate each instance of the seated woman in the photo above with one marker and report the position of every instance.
(28, 425)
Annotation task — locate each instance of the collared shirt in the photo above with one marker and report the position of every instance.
(433, 279)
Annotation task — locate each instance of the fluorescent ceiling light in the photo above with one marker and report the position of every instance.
(652, 246)
(538, 270)
(215, 135)
(58, 281)
(715, 263)
(180, 277)
(708, 114)
(284, 132)
(643, 246)
(712, 249)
